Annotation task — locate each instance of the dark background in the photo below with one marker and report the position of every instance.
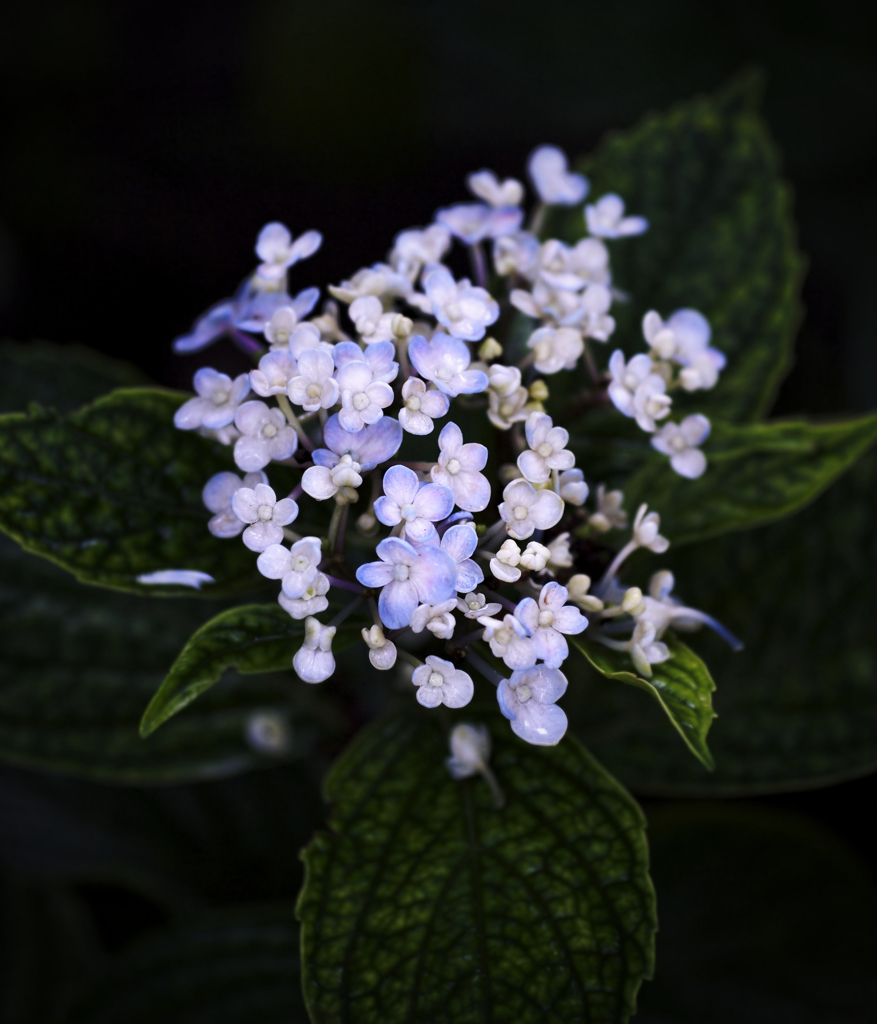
(145, 144)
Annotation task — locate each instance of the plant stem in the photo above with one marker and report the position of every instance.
(347, 610)
(336, 528)
(292, 420)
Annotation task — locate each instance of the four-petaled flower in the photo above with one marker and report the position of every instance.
(606, 219)
(528, 700)
(548, 620)
(217, 496)
(441, 682)
(508, 640)
(314, 386)
(459, 468)
(445, 361)
(277, 251)
(548, 449)
(526, 510)
(421, 407)
(463, 308)
(363, 399)
(219, 398)
(556, 348)
(681, 441)
(266, 436)
(259, 507)
(409, 576)
(553, 180)
(415, 504)
(295, 567)
(437, 618)
(276, 370)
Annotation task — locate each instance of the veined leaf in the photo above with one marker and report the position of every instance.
(113, 491)
(250, 638)
(78, 664)
(721, 239)
(682, 686)
(756, 473)
(427, 903)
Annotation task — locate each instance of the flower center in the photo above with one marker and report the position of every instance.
(413, 403)
(435, 679)
(361, 401)
(507, 409)
(282, 336)
(219, 397)
(408, 512)
(521, 512)
(315, 391)
(544, 450)
(453, 311)
(453, 467)
(523, 693)
(269, 430)
(300, 563)
(546, 617)
(630, 382)
(678, 442)
(504, 636)
(266, 512)
(543, 350)
(400, 572)
(443, 373)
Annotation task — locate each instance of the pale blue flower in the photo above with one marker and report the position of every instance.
(409, 576)
(417, 505)
(459, 468)
(463, 308)
(277, 250)
(445, 361)
(217, 401)
(528, 700)
(473, 222)
(547, 621)
(606, 219)
(460, 542)
(369, 447)
(441, 682)
(552, 179)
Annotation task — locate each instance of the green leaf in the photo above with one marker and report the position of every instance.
(755, 474)
(682, 686)
(113, 491)
(765, 917)
(250, 638)
(63, 377)
(797, 706)
(721, 239)
(78, 665)
(237, 967)
(427, 903)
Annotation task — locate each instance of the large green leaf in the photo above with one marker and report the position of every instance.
(756, 473)
(113, 491)
(78, 664)
(61, 376)
(682, 686)
(427, 903)
(765, 917)
(235, 968)
(720, 240)
(798, 705)
(250, 638)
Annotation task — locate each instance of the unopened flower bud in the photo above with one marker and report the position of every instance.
(578, 587)
(367, 524)
(504, 565)
(632, 602)
(401, 326)
(489, 349)
(381, 651)
(535, 557)
(539, 391)
(346, 495)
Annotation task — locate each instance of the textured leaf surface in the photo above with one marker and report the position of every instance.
(798, 705)
(233, 968)
(77, 666)
(764, 918)
(682, 686)
(113, 491)
(427, 903)
(721, 239)
(755, 474)
(61, 376)
(250, 638)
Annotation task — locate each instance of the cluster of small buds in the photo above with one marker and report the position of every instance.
(336, 395)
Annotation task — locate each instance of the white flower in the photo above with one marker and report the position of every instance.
(645, 650)
(218, 398)
(504, 564)
(266, 436)
(573, 487)
(295, 567)
(516, 254)
(548, 449)
(437, 618)
(380, 280)
(504, 409)
(645, 531)
(439, 682)
(636, 390)
(280, 328)
(508, 640)
(421, 407)
(659, 335)
(217, 496)
(459, 542)
(485, 185)
(589, 260)
(556, 348)
(314, 660)
(474, 606)
(470, 750)
(577, 588)
(381, 651)
(459, 468)
(606, 219)
(409, 576)
(525, 509)
(535, 557)
(681, 442)
(609, 512)
(322, 482)
(414, 249)
(260, 507)
(472, 222)
(463, 308)
(552, 180)
(445, 361)
(314, 386)
(528, 700)
(594, 306)
(504, 380)
(276, 369)
(651, 403)
(685, 339)
(548, 621)
(363, 399)
(417, 505)
(312, 601)
(307, 336)
(560, 556)
(277, 250)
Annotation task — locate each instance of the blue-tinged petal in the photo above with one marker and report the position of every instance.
(540, 724)
(397, 603)
(375, 574)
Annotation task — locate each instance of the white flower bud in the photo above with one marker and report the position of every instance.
(314, 660)
(645, 531)
(578, 587)
(504, 565)
(381, 651)
(489, 349)
(535, 557)
(539, 391)
(632, 602)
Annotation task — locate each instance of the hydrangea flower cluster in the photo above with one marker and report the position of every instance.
(484, 573)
